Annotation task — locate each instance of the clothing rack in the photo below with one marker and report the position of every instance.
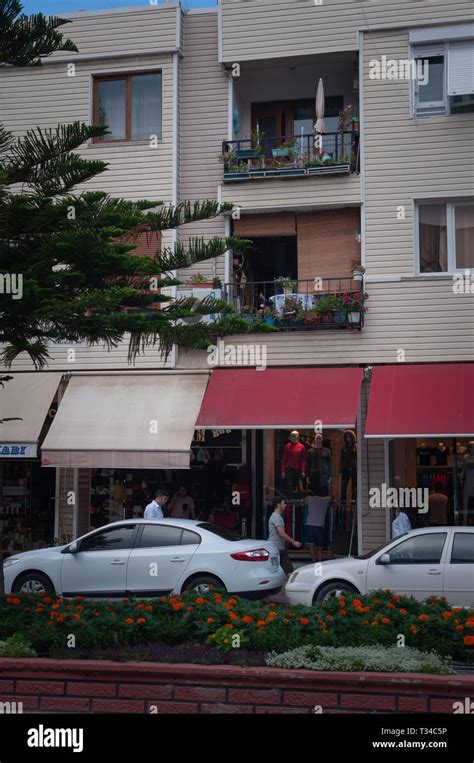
(339, 518)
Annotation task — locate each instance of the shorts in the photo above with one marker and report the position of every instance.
(285, 562)
(314, 535)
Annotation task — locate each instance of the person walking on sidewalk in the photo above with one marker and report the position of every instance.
(154, 510)
(278, 536)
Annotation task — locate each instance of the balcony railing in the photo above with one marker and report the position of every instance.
(290, 156)
(328, 303)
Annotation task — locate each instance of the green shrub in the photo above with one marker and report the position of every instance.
(16, 646)
(391, 659)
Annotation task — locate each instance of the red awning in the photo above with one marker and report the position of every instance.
(244, 398)
(422, 401)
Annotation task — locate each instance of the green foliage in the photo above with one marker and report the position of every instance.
(16, 646)
(351, 621)
(23, 39)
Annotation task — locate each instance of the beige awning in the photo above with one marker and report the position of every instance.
(26, 397)
(126, 421)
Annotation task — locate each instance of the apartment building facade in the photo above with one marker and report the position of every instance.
(220, 104)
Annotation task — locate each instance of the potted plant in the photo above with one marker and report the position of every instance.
(345, 119)
(287, 284)
(325, 306)
(267, 315)
(200, 281)
(216, 283)
(358, 272)
(312, 318)
(340, 313)
(354, 305)
(248, 313)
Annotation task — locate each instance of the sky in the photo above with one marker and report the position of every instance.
(58, 7)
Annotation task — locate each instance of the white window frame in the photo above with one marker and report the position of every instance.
(444, 107)
(450, 234)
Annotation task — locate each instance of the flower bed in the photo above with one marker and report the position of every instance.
(227, 622)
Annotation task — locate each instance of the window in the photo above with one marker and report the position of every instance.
(445, 78)
(423, 549)
(130, 106)
(109, 540)
(445, 237)
(160, 535)
(222, 532)
(189, 538)
(463, 549)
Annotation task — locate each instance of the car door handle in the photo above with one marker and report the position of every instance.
(117, 562)
(434, 572)
(178, 559)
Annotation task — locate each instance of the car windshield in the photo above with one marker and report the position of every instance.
(222, 532)
(378, 549)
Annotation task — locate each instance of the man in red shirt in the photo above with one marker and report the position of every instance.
(293, 463)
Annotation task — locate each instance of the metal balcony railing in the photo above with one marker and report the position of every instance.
(291, 155)
(303, 304)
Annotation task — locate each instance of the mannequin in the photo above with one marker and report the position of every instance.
(293, 463)
(441, 453)
(349, 464)
(319, 465)
(424, 454)
(467, 478)
(461, 452)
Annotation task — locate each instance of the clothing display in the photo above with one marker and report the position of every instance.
(349, 464)
(441, 453)
(319, 467)
(424, 455)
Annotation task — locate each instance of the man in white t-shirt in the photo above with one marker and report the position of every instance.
(278, 536)
(314, 525)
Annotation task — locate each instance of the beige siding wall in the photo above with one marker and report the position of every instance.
(203, 126)
(406, 160)
(293, 193)
(147, 29)
(372, 525)
(270, 28)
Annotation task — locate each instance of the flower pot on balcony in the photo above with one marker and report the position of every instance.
(269, 320)
(340, 316)
(353, 317)
(288, 290)
(327, 317)
(357, 275)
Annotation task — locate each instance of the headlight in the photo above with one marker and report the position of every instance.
(9, 562)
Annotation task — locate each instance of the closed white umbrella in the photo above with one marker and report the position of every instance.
(320, 125)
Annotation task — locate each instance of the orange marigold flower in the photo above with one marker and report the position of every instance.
(424, 617)
(447, 614)
(54, 614)
(390, 605)
(17, 601)
(285, 620)
(468, 640)
(469, 623)
(129, 620)
(360, 610)
(26, 609)
(260, 623)
(39, 609)
(456, 609)
(272, 615)
(228, 625)
(248, 619)
(200, 600)
(374, 622)
(365, 622)
(459, 627)
(403, 611)
(304, 620)
(367, 608)
(356, 603)
(141, 620)
(341, 612)
(377, 601)
(329, 617)
(140, 606)
(232, 601)
(47, 599)
(456, 622)
(177, 607)
(413, 628)
(271, 604)
(163, 599)
(385, 620)
(81, 598)
(76, 617)
(190, 609)
(79, 607)
(210, 620)
(149, 608)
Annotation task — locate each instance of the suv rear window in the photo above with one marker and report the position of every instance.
(222, 532)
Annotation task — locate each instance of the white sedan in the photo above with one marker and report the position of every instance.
(149, 557)
(431, 561)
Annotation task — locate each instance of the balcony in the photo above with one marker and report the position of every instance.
(264, 157)
(300, 305)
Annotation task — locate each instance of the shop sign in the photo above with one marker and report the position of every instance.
(18, 450)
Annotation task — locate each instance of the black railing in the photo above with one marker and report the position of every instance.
(300, 304)
(290, 153)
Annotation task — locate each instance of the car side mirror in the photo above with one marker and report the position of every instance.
(73, 548)
(384, 559)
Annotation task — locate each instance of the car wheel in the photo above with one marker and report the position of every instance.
(335, 588)
(202, 584)
(33, 582)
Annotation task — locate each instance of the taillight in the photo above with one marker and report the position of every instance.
(256, 555)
